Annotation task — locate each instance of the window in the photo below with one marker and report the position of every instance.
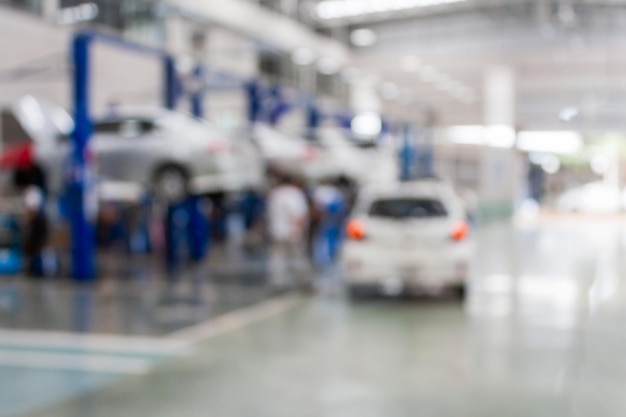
(125, 128)
(402, 208)
(112, 127)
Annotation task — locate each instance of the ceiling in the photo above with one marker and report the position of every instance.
(565, 54)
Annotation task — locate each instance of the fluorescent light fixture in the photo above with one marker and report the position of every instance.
(497, 136)
(75, 14)
(303, 56)
(500, 136)
(466, 135)
(363, 37)
(410, 63)
(367, 124)
(337, 9)
(558, 142)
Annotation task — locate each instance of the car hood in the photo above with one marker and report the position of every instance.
(42, 119)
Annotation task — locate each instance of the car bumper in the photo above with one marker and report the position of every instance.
(406, 270)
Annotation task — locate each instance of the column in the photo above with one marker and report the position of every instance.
(49, 9)
(500, 167)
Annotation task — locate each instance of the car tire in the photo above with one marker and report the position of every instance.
(460, 291)
(357, 293)
(171, 184)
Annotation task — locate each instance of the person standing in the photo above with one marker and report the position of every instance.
(36, 232)
(287, 215)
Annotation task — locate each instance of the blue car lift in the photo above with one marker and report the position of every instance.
(81, 181)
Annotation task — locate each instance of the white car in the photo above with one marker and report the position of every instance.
(362, 161)
(170, 152)
(409, 237)
(292, 154)
(592, 198)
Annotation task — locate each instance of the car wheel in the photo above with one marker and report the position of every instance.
(171, 184)
(460, 291)
(356, 293)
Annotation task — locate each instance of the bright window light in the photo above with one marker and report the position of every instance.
(558, 142)
(337, 9)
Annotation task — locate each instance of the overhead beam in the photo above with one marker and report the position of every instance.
(260, 24)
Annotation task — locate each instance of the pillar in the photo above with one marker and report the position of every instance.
(500, 171)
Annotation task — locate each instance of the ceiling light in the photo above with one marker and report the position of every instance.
(337, 9)
(497, 136)
(303, 56)
(466, 135)
(367, 124)
(363, 37)
(410, 63)
(500, 136)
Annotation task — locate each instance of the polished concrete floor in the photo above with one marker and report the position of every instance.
(134, 296)
(541, 334)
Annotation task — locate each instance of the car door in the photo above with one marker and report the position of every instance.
(127, 149)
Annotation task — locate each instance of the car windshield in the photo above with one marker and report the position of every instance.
(402, 208)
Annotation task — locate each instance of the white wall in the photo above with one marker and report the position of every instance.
(25, 39)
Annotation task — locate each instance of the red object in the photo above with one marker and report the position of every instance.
(460, 231)
(356, 230)
(309, 153)
(219, 146)
(17, 157)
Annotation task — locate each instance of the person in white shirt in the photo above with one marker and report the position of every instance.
(287, 215)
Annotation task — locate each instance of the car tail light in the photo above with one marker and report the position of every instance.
(219, 146)
(309, 153)
(460, 231)
(18, 157)
(356, 230)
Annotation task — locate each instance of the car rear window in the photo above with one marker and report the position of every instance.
(403, 208)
